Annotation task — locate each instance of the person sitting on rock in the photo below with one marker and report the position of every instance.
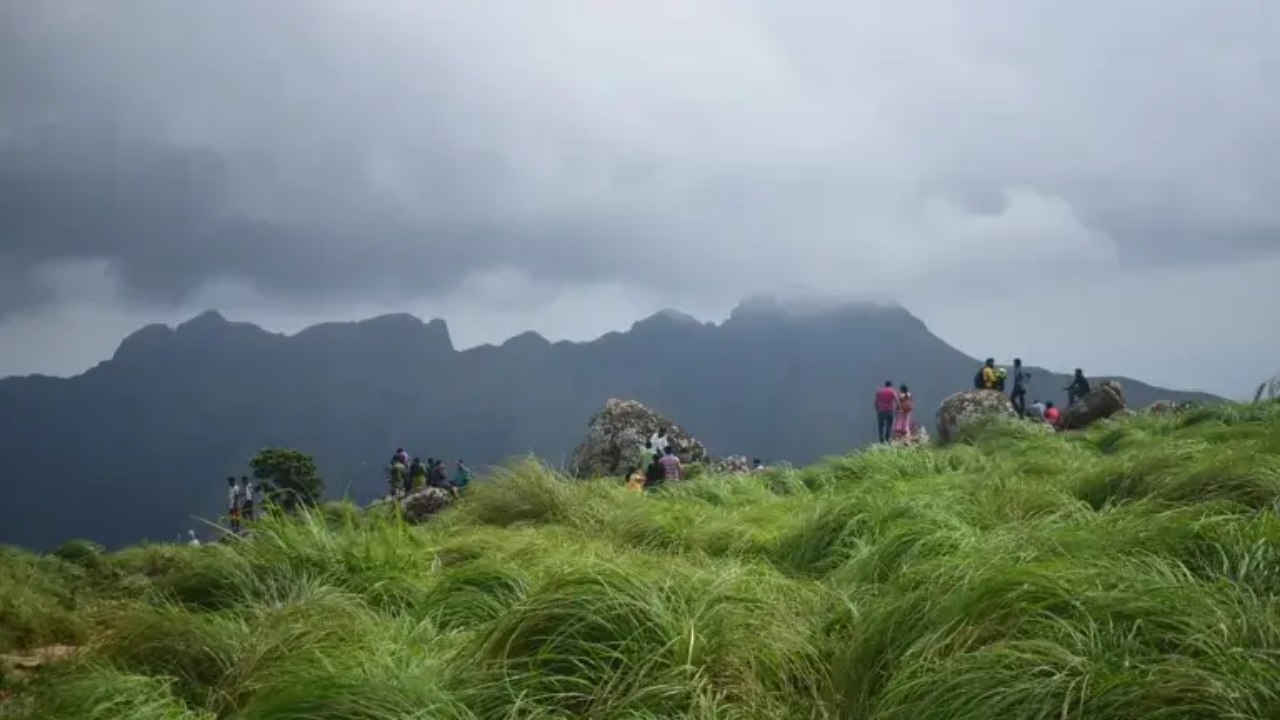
(461, 475)
(1035, 410)
(1078, 388)
(1001, 375)
(437, 478)
(1051, 414)
(757, 466)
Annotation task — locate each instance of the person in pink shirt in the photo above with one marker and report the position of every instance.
(886, 404)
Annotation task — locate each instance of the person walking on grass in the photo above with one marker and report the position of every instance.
(233, 504)
(886, 402)
(672, 470)
(902, 420)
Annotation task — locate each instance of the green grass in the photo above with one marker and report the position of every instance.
(1129, 571)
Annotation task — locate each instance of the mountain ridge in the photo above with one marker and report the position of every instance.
(151, 432)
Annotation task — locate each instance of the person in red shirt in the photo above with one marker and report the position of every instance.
(1051, 414)
(886, 403)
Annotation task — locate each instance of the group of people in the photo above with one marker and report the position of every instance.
(990, 377)
(405, 476)
(239, 502)
(894, 410)
(657, 461)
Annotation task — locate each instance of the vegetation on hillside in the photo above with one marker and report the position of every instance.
(1132, 570)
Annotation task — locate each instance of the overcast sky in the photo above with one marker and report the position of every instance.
(1079, 183)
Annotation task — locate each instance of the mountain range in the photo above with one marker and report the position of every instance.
(138, 445)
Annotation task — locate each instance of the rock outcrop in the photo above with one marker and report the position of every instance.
(732, 465)
(618, 431)
(1166, 407)
(967, 406)
(1101, 402)
(919, 436)
(418, 506)
(1269, 389)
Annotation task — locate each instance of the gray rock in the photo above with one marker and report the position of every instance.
(618, 431)
(967, 406)
(418, 507)
(1101, 402)
(732, 465)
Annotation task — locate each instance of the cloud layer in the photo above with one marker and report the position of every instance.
(392, 148)
(394, 151)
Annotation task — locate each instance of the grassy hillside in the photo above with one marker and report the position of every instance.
(1126, 572)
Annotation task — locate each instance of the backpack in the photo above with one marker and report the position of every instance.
(977, 380)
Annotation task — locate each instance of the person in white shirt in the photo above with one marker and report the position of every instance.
(246, 498)
(660, 442)
(233, 504)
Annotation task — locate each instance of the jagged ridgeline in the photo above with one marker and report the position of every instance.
(1127, 570)
(152, 433)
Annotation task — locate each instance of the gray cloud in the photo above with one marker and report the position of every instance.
(392, 149)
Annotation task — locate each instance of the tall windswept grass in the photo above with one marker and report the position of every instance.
(1128, 571)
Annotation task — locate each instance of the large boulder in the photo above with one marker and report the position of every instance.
(421, 505)
(418, 506)
(732, 465)
(967, 406)
(618, 431)
(1166, 407)
(1103, 401)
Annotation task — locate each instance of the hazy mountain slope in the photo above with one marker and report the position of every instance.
(140, 443)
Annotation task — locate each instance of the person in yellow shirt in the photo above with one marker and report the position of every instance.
(986, 379)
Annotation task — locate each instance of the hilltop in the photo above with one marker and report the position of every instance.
(1126, 571)
(147, 437)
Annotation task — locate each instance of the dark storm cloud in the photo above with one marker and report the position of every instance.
(391, 148)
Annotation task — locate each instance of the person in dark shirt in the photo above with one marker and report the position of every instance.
(1019, 395)
(1078, 388)
(437, 477)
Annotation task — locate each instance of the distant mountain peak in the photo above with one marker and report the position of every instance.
(668, 318)
(208, 318)
(800, 304)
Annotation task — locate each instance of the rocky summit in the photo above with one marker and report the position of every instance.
(616, 433)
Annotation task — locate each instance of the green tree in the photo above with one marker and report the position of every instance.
(287, 477)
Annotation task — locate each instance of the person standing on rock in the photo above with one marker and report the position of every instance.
(886, 402)
(1078, 388)
(1019, 395)
(660, 442)
(417, 475)
(233, 504)
(397, 476)
(246, 498)
(986, 377)
(902, 419)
